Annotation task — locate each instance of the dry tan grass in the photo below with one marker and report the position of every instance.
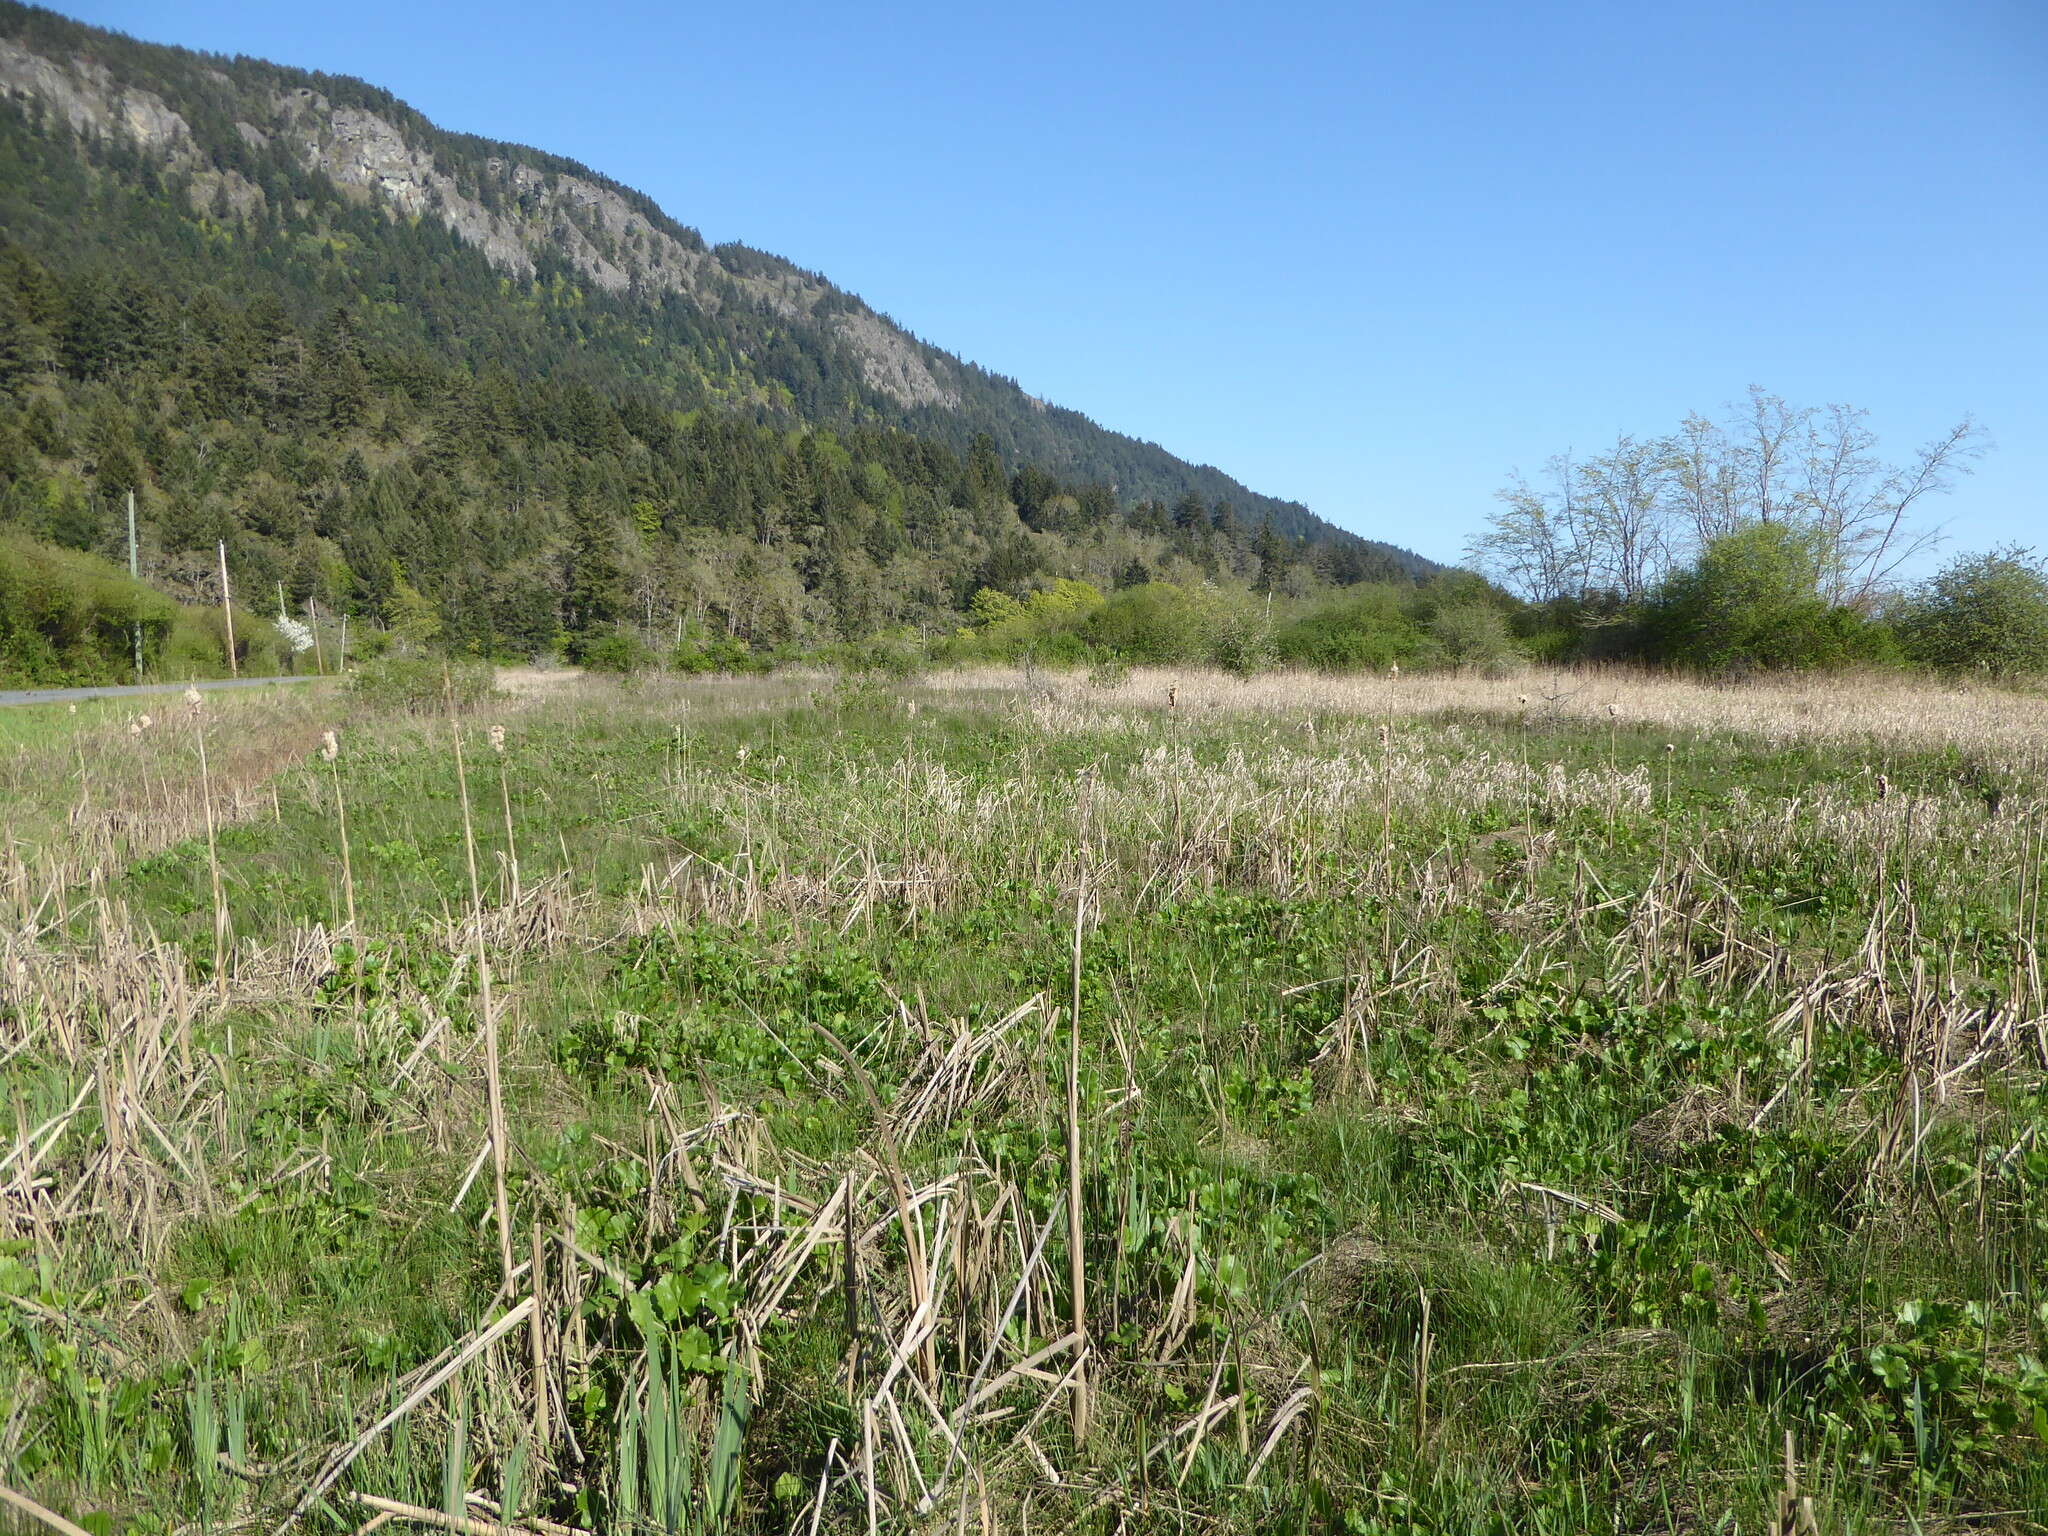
(522, 681)
(1847, 709)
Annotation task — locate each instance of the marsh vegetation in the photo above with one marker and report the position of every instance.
(1186, 1102)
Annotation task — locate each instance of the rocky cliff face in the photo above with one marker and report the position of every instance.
(273, 148)
(510, 210)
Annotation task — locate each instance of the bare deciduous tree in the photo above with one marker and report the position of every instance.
(1705, 493)
(1534, 544)
(1615, 522)
(1626, 497)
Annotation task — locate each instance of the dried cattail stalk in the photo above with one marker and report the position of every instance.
(220, 900)
(493, 1084)
(1076, 1216)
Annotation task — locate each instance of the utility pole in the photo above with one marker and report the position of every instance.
(134, 574)
(227, 607)
(319, 661)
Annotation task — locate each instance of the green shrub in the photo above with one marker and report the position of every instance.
(367, 644)
(1750, 603)
(697, 658)
(198, 647)
(1455, 619)
(193, 648)
(1240, 636)
(1474, 634)
(1986, 613)
(1048, 626)
(67, 617)
(421, 685)
(1158, 623)
(617, 655)
(892, 658)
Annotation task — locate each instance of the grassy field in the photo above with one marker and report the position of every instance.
(1006, 1104)
(33, 725)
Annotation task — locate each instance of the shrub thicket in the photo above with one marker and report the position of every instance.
(618, 655)
(70, 619)
(1986, 613)
(1750, 602)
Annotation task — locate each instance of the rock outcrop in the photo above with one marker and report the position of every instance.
(592, 226)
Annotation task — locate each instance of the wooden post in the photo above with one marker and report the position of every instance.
(227, 607)
(134, 574)
(319, 661)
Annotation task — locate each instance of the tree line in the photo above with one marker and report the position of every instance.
(508, 515)
(1774, 536)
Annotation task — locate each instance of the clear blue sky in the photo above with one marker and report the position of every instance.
(1373, 256)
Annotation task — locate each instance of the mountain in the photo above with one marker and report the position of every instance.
(373, 355)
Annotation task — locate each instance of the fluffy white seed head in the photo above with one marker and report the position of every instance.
(330, 746)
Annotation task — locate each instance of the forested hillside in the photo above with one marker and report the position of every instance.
(415, 375)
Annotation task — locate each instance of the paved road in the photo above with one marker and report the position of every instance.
(72, 695)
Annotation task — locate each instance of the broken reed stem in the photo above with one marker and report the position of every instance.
(1076, 1224)
(348, 872)
(341, 1461)
(493, 1085)
(540, 1349)
(511, 847)
(35, 1511)
(416, 1514)
(1424, 1347)
(220, 900)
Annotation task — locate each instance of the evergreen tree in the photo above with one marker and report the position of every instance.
(24, 345)
(1271, 552)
